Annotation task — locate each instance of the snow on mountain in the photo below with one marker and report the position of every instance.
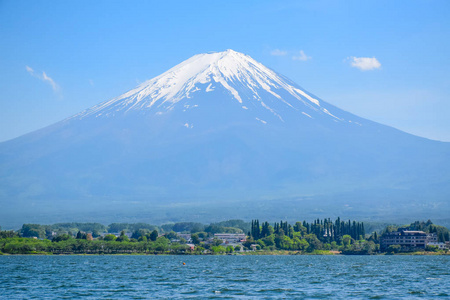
(248, 82)
(222, 129)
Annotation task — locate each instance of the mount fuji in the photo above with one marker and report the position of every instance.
(220, 136)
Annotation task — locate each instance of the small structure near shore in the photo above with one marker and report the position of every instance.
(231, 237)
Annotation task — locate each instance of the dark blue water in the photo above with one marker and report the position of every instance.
(246, 277)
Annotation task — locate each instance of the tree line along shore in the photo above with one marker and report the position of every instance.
(228, 237)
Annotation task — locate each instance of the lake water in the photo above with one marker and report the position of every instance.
(215, 277)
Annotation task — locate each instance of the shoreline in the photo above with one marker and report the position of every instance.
(253, 253)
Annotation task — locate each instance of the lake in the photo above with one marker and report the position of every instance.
(215, 277)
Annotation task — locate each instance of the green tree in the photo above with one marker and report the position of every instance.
(432, 248)
(199, 249)
(216, 242)
(154, 235)
(161, 244)
(269, 240)
(346, 240)
(369, 247)
(218, 249)
(123, 237)
(110, 237)
(8, 234)
(61, 237)
(334, 245)
(138, 233)
(188, 227)
(195, 239)
(142, 238)
(171, 235)
(33, 230)
(441, 238)
(117, 227)
(313, 241)
(394, 249)
(203, 235)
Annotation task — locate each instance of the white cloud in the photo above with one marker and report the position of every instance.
(365, 63)
(44, 77)
(52, 83)
(278, 52)
(29, 70)
(302, 56)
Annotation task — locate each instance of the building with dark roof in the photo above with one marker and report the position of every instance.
(407, 239)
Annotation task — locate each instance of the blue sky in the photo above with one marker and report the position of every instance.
(387, 61)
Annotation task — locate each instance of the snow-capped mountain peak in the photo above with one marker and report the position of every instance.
(214, 136)
(248, 83)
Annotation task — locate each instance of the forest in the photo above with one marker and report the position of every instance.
(317, 237)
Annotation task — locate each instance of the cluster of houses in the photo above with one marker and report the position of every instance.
(411, 240)
(228, 239)
(234, 240)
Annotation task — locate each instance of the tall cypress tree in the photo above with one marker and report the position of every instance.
(258, 230)
(349, 228)
(441, 238)
(252, 230)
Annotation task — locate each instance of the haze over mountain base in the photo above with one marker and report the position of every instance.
(160, 211)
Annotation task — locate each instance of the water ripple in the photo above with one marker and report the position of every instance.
(224, 277)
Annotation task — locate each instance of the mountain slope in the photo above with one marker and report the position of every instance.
(219, 130)
(247, 81)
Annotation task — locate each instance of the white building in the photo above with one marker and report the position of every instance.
(231, 237)
(186, 236)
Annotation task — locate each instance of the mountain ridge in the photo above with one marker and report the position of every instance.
(184, 138)
(227, 69)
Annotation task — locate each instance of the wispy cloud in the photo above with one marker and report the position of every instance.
(44, 77)
(278, 52)
(29, 70)
(297, 55)
(49, 80)
(301, 56)
(365, 63)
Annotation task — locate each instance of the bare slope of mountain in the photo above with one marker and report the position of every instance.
(214, 136)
